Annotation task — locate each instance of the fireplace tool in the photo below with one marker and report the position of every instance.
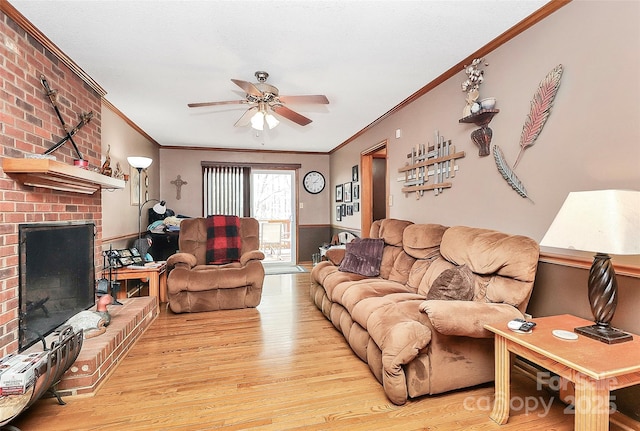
(105, 285)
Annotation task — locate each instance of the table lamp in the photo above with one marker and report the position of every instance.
(603, 222)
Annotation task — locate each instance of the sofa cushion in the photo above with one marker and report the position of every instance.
(335, 255)
(454, 283)
(422, 241)
(506, 262)
(391, 231)
(363, 256)
(402, 264)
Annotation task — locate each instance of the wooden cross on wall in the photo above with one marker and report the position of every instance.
(178, 182)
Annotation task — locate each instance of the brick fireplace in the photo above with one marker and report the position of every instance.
(29, 125)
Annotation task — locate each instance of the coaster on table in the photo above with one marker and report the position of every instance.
(565, 335)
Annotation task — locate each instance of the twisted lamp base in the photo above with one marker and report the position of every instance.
(603, 298)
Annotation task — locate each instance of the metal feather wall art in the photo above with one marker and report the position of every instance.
(508, 174)
(540, 110)
(539, 113)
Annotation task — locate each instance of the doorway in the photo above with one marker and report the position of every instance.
(374, 193)
(273, 205)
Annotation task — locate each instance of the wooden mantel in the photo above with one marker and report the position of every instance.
(51, 174)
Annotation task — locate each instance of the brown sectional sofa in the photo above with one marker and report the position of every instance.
(414, 343)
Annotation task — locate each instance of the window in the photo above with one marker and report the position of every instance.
(226, 190)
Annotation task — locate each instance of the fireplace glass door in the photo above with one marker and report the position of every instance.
(57, 274)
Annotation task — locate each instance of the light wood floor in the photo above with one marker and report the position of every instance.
(281, 366)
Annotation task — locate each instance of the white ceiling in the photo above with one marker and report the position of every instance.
(154, 57)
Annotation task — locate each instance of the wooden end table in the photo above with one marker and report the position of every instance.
(155, 275)
(594, 367)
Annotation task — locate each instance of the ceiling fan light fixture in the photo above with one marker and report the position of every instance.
(271, 120)
(257, 121)
(265, 99)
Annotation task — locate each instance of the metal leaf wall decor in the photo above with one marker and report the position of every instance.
(508, 174)
(538, 115)
(540, 110)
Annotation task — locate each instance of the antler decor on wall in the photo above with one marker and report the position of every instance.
(540, 110)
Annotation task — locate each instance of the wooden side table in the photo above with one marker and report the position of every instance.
(155, 275)
(594, 367)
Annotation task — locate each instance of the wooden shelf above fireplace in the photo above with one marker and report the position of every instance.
(51, 174)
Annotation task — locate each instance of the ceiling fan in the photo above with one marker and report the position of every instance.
(265, 100)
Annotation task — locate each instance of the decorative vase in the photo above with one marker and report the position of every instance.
(482, 138)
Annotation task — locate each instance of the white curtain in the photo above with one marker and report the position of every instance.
(224, 190)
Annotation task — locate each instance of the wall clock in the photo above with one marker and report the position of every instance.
(313, 182)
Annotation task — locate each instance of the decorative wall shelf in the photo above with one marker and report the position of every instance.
(482, 136)
(430, 168)
(51, 174)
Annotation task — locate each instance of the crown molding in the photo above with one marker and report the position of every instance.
(33, 31)
(520, 27)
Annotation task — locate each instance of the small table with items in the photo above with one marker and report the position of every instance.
(594, 367)
(155, 273)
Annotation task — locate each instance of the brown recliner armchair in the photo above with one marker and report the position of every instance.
(194, 286)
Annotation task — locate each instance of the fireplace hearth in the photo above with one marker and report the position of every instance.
(57, 274)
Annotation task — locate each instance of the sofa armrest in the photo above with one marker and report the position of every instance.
(467, 318)
(185, 260)
(251, 255)
(335, 255)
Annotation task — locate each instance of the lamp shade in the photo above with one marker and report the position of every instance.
(160, 208)
(599, 221)
(271, 120)
(139, 162)
(257, 121)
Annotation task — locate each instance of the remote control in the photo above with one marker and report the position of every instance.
(527, 326)
(515, 324)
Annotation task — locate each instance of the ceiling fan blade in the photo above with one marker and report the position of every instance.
(291, 115)
(310, 99)
(248, 87)
(228, 102)
(246, 117)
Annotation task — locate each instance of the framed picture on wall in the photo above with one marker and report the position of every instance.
(354, 173)
(343, 210)
(133, 185)
(349, 210)
(347, 191)
(356, 191)
(338, 213)
(356, 207)
(339, 193)
(144, 183)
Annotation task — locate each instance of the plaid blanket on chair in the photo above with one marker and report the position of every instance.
(223, 239)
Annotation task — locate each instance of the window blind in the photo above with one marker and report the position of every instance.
(226, 190)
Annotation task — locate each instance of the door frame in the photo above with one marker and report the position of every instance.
(378, 151)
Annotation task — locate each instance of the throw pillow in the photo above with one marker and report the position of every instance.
(363, 256)
(454, 283)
